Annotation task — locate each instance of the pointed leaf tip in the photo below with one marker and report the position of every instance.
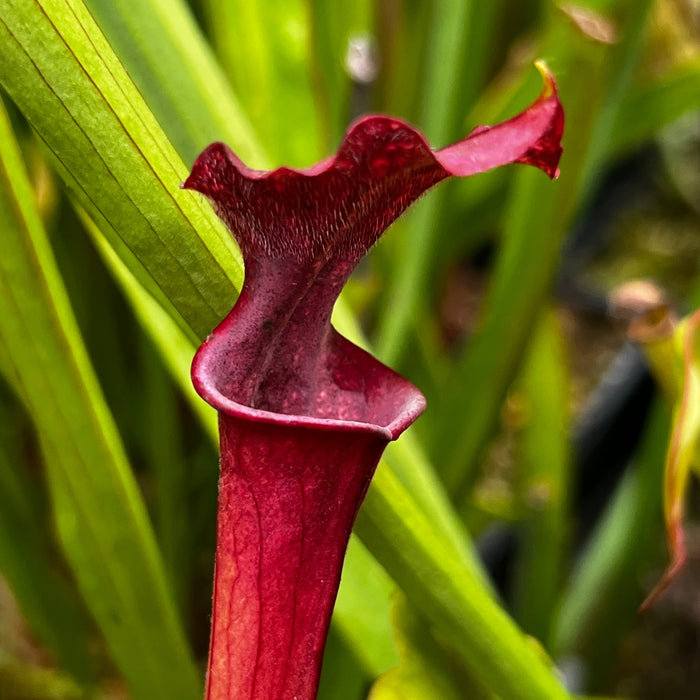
(682, 452)
(549, 86)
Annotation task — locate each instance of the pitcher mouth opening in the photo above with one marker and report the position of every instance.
(393, 406)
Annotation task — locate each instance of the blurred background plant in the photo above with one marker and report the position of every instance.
(533, 484)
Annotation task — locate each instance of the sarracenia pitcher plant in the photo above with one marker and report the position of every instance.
(304, 414)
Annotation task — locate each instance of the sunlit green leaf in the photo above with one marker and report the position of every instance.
(61, 72)
(166, 55)
(423, 672)
(276, 87)
(100, 517)
(602, 597)
(451, 596)
(458, 36)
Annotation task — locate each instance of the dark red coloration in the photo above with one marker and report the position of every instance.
(288, 497)
(289, 491)
(338, 208)
(305, 414)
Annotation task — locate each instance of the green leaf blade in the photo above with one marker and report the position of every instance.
(101, 519)
(56, 65)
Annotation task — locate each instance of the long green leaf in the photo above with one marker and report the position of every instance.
(163, 445)
(459, 33)
(649, 107)
(61, 72)
(538, 216)
(265, 48)
(100, 517)
(26, 561)
(544, 481)
(166, 55)
(333, 26)
(603, 595)
(452, 598)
